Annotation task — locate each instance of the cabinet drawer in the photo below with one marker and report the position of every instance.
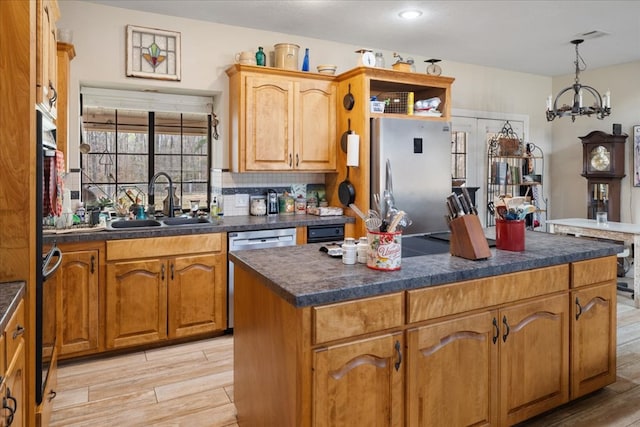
(14, 332)
(592, 271)
(165, 246)
(445, 300)
(347, 319)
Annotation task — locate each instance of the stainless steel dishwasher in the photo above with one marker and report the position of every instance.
(248, 240)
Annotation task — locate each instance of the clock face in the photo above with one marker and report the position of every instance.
(600, 159)
(368, 59)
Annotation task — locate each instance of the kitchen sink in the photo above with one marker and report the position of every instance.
(135, 223)
(181, 220)
(146, 224)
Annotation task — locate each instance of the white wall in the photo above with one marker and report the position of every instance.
(208, 49)
(569, 195)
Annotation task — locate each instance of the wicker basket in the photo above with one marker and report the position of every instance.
(397, 102)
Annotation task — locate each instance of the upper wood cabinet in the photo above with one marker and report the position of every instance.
(47, 13)
(281, 120)
(66, 53)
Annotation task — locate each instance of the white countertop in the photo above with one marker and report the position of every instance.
(619, 227)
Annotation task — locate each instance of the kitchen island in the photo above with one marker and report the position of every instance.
(444, 339)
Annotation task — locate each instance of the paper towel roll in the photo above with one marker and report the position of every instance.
(353, 149)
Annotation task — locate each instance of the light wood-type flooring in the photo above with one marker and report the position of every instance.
(192, 385)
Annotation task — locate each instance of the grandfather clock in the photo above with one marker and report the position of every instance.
(603, 166)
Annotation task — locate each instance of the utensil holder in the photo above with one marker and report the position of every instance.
(467, 238)
(385, 250)
(510, 234)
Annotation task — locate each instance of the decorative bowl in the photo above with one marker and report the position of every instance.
(327, 69)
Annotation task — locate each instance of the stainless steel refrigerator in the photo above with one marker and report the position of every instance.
(420, 155)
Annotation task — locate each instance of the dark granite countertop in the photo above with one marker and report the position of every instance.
(304, 276)
(10, 295)
(227, 224)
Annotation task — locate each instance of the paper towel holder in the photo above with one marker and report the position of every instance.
(353, 150)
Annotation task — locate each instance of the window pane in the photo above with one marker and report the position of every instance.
(120, 162)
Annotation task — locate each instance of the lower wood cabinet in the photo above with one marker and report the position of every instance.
(152, 298)
(13, 383)
(452, 372)
(535, 345)
(360, 383)
(534, 358)
(71, 301)
(593, 338)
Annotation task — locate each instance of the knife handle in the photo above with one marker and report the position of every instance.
(472, 208)
(456, 204)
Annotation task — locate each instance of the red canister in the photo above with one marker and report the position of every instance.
(510, 235)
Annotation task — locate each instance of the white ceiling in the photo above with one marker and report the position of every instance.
(528, 36)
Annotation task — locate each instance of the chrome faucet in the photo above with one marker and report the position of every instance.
(152, 184)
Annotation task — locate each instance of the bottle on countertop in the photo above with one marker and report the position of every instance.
(361, 250)
(349, 251)
(80, 211)
(305, 61)
(213, 210)
(261, 58)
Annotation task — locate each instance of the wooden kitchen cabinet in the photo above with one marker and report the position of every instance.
(136, 302)
(77, 301)
(360, 383)
(72, 303)
(164, 287)
(14, 384)
(593, 325)
(282, 120)
(534, 358)
(47, 13)
(460, 370)
(65, 54)
(452, 372)
(196, 294)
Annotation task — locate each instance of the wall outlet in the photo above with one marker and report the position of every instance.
(242, 200)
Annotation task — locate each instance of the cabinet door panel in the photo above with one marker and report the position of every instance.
(357, 384)
(452, 370)
(315, 147)
(15, 386)
(534, 358)
(77, 302)
(136, 303)
(269, 123)
(196, 294)
(593, 338)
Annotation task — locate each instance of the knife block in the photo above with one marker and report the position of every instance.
(467, 238)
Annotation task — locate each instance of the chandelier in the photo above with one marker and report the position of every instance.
(601, 107)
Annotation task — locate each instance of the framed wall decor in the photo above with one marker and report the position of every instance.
(153, 53)
(636, 156)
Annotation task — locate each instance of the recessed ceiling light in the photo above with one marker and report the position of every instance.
(410, 14)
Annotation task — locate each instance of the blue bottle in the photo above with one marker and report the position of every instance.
(305, 61)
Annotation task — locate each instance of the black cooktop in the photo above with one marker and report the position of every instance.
(429, 244)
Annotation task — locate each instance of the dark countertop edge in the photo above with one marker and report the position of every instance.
(10, 295)
(227, 224)
(390, 284)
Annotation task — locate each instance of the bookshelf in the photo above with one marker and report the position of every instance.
(515, 168)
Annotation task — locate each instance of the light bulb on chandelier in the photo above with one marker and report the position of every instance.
(601, 106)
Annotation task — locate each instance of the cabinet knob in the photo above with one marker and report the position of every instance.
(578, 309)
(507, 329)
(19, 331)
